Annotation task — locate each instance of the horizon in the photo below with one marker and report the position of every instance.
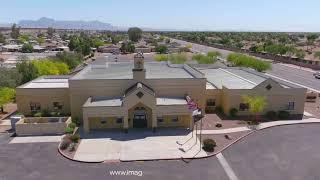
(206, 15)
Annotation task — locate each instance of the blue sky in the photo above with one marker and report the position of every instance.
(245, 15)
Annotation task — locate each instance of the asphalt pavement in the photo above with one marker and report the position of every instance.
(286, 152)
(295, 75)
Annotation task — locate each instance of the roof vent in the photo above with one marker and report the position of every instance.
(268, 87)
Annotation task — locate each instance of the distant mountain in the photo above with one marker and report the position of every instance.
(47, 22)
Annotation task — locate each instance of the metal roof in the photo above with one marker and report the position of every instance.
(171, 101)
(238, 78)
(103, 102)
(48, 82)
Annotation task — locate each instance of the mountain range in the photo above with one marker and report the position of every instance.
(57, 24)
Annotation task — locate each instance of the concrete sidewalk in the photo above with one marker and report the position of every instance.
(35, 139)
(260, 126)
(139, 145)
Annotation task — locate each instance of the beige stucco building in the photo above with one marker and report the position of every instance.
(135, 94)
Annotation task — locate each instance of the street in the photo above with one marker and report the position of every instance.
(295, 75)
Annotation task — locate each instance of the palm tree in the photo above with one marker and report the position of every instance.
(256, 105)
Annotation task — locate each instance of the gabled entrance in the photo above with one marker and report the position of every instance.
(140, 118)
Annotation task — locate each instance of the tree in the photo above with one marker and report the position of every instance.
(15, 32)
(27, 48)
(256, 105)
(23, 38)
(50, 67)
(161, 49)
(300, 53)
(40, 40)
(2, 39)
(9, 77)
(70, 58)
(135, 34)
(6, 96)
(127, 47)
(27, 70)
(317, 54)
(50, 32)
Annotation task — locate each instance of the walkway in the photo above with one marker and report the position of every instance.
(138, 145)
(260, 126)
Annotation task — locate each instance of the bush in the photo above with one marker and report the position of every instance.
(209, 145)
(242, 60)
(233, 112)
(65, 144)
(283, 114)
(45, 113)
(219, 110)
(69, 130)
(161, 57)
(178, 58)
(76, 120)
(72, 125)
(72, 147)
(213, 54)
(161, 49)
(272, 115)
(75, 138)
(203, 59)
(37, 114)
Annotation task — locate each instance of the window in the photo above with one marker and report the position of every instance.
(174, 119)
(119, 120)
(103, 120)
(290, 106)
(34, 106)
(160, 119)
(57, 105)
(211, 102)
(243, 107)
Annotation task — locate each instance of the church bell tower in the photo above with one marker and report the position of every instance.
(139, 72)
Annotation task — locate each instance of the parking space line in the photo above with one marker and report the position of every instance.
(226, 167)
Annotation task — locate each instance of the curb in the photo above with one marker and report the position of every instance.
(75, 160)
(192, 158)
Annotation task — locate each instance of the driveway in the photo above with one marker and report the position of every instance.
(138, 145)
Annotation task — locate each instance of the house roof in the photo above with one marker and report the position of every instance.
(103, 102)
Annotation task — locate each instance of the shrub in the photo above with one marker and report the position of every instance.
(45, 113)
(76, 120)
(161, 57)
(219, 110)
(69, 130)
(218, 125)
(72, 125)
(72, 147)
(37, 114)
(233, 112)
(161, 49)
(65, 144)
(213, 54)
(203, 59)
(283, 114)
(75, 138)
(178, 58)
(272, 115)
(242, 60)
(209, 145)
